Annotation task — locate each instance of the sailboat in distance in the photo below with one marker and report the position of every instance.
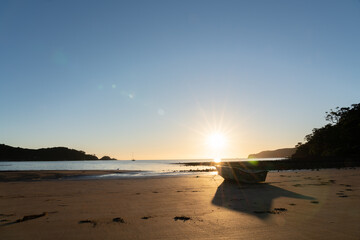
(132, 157)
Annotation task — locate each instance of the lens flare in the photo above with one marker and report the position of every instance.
(255, 163)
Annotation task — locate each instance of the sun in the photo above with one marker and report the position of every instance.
(216, 141)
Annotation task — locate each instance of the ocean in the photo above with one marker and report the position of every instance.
(138, 168)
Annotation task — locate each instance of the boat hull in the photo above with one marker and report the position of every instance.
(241, 175)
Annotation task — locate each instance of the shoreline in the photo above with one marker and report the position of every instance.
(91, 175)
(83, 175)
(38, 175)
(286, 164)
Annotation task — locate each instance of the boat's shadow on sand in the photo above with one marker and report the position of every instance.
(254, 199)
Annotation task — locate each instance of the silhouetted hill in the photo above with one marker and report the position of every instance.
(107, 158)
(278, 153)
(337, 140)
(8, 153)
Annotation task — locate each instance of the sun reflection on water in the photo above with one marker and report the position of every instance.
(217, 160)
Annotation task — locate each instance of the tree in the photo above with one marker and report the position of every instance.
(339, 138)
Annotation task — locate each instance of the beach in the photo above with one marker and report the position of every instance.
(302, 204)
(11, 176)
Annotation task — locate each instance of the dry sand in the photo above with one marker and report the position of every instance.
(321, 204)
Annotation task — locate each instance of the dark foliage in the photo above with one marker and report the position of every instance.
(338, 139)
(8, 153)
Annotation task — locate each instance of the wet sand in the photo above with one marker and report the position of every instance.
(290, 205)
(10, 176)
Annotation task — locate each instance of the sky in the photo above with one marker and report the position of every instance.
(159, 79)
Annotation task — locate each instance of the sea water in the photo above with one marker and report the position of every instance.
(138, 168)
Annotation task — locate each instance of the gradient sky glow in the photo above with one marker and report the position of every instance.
(156, 78)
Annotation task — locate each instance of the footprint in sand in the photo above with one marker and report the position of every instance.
(30, 217)
(119, 220)
(183, 218)
(94, 223)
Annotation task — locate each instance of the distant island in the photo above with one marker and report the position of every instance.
(278, 153)
(9, 153)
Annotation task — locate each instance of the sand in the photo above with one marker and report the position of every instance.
(290, 205)
(10, 176)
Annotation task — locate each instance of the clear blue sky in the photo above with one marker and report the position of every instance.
(157, 77)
